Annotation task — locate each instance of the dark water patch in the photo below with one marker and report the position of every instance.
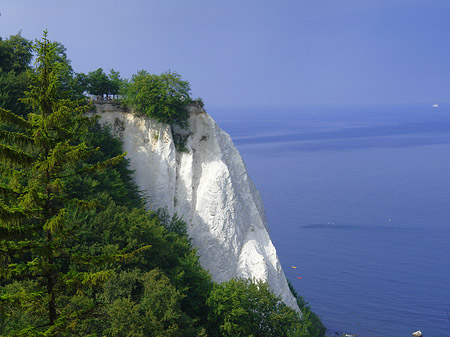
(342, 141)
(355, 133)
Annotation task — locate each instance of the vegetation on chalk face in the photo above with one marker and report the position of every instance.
(164, 97)
(244, 307)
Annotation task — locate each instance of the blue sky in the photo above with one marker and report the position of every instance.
(258, 53)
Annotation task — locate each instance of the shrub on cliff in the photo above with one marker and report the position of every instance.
(244, 307)
(316, 327)
(163, 97)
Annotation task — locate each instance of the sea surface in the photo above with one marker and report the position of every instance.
(358, 200)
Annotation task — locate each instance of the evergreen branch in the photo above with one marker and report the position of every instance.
(77, 152)
(20, 297)
(88, 121)
(15, 137)
(30, 331)
(64, 154)
(121, 258)
(81, 280)
(7, 191)
(12, 215)
(12, 247)
(100, 166)
(8, 171)
(24, 277)
(17, 232)
(22, 271)
(89, 260)
(68, 320)
(13, 156)
(84, 204)
(56, 222)
(86, 169)
(60, 120)
(12, 119)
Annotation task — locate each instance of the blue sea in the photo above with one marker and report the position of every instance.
(358, 199)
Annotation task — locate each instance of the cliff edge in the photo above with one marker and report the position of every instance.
(208, 186)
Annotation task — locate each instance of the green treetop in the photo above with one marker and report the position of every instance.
(99, 83)
(163, 97)
(15, 54)
(15, 58)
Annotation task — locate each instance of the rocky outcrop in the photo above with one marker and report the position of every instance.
(208, 186)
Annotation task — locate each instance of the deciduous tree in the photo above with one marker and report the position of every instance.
(98, 82)
(115, 82)
(15, 58)
(163, 97)
(244, 307)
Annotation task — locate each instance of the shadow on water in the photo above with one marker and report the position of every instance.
(336, 130)
(389, 136)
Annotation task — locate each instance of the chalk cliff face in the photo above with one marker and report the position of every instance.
(208, 186)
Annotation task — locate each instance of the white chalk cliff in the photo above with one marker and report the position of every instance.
(208, 186)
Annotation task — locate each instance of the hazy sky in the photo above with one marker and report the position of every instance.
(258, 52)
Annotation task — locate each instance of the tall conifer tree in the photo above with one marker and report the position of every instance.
(37, 154)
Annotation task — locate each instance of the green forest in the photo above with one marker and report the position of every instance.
(79, 253)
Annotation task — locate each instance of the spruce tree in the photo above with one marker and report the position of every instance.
(38, 153)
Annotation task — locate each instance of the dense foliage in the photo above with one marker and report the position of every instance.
(79, 255)
(99, 84)
(242, 307)
(15, 58)
(316, 327)
(163, 97)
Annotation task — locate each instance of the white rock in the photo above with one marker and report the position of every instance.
(418, 333)
(209, 187)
